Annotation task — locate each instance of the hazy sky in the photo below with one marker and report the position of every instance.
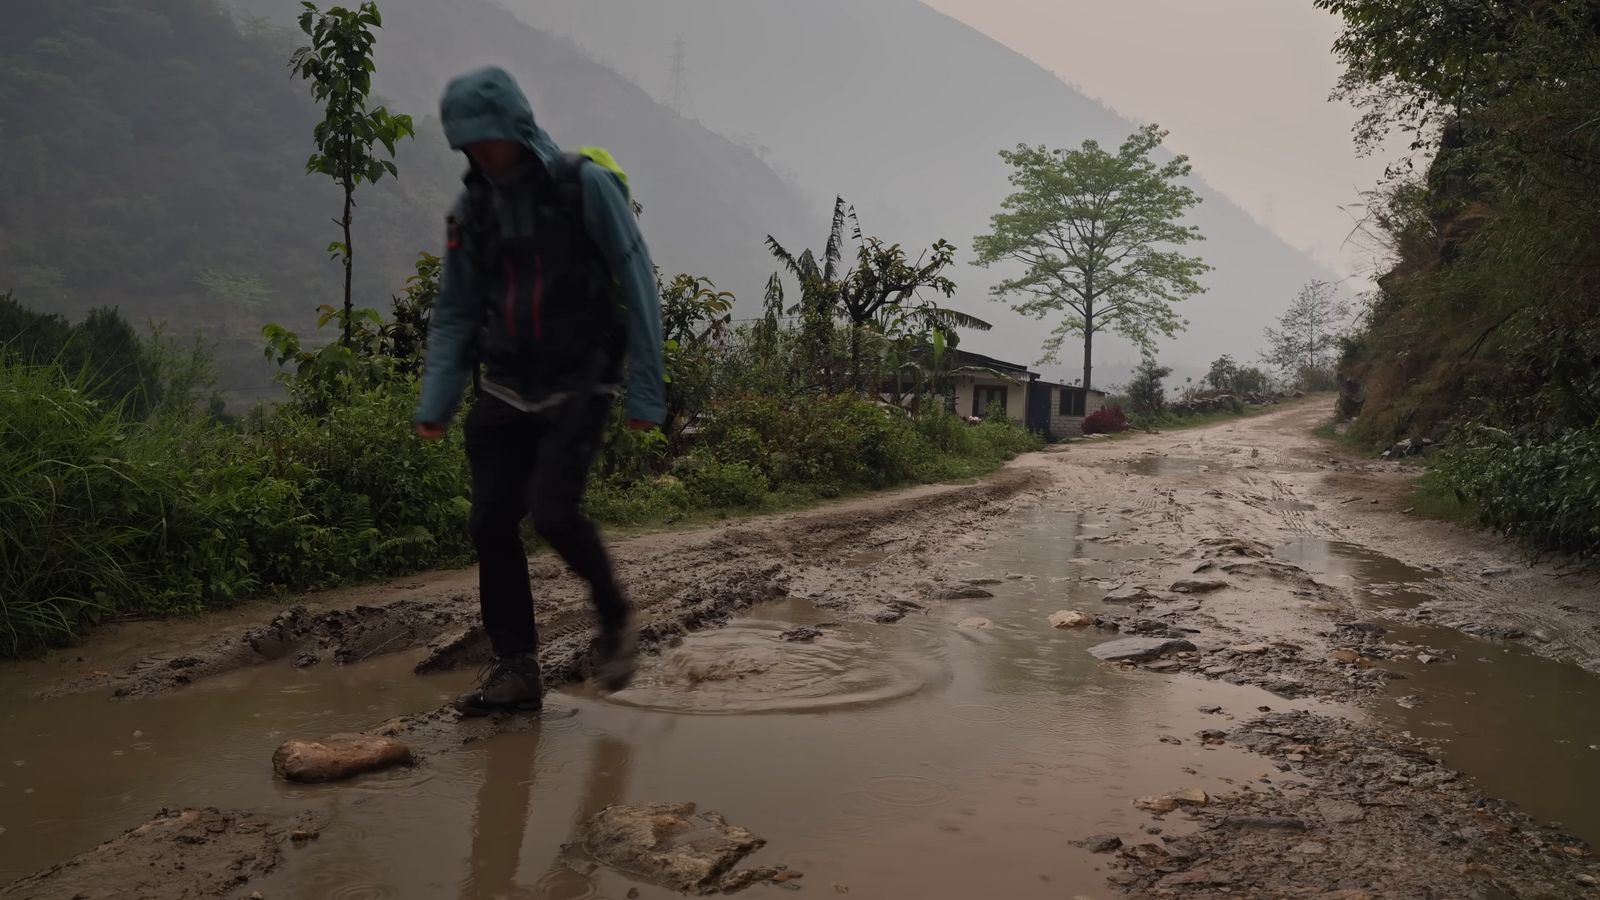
(1241, 84)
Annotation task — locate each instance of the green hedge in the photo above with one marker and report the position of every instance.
(106, 515)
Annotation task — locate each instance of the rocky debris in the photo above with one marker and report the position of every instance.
(1359, 630)
(959, 590)
(1369, 815)
(1128, 595)
(1170, 802)
(1100, 843)
(187, 853)
(1071, 619)
(1408, 447)
(1139, 649)
(804, 634)
(677, 847)
(1264, 823)
(976, 623)
(339, 757)
(306, 660)
(1197, 586)
(1249, 649)
(1501, 632)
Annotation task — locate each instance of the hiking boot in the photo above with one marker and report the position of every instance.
(511, 684)
(616, 656)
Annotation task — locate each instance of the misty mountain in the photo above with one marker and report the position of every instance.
(903, 111)
(152, 157)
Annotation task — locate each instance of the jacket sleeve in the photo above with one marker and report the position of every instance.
(609, 217)
(452, 329)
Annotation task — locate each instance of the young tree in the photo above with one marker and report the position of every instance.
(1302, 344)
(882, 284)
(338, 63)
(1146, 395)
(1224, 373)
(1096, 232)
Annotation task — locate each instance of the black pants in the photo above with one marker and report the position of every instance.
(538, 464)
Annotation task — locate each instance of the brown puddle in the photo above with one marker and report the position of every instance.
(1157, 464)
(919, 759)
(1524, 727)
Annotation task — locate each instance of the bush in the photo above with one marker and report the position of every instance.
(722, 485)
(1105, 420)
(1544, 491)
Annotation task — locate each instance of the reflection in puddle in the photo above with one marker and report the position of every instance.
(1525, 727)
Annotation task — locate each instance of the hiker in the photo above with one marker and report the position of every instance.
(548, 286)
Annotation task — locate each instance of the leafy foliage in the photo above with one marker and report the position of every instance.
(1105, 420)
(1544, 492)
(879, 297)
(1094, 232)
(1146, 393)
(1489, 314)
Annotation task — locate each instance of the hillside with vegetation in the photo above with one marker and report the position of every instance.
(1485, 331)
(152, 158)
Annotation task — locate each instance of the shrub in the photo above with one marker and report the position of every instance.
(722, 485)
(1544, 491)
(1105, 420)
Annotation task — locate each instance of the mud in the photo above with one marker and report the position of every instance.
(176, 855)
(878, 690)
(1418, 828)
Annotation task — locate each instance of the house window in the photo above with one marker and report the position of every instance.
(983, 395)
(1073, 401)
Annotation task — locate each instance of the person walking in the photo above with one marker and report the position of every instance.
(547, 288)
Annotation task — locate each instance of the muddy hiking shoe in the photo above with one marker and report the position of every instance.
(511, 684)
(616, 657)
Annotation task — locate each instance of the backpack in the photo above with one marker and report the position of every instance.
(554, 321)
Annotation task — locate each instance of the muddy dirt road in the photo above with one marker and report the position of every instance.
(1318, 696)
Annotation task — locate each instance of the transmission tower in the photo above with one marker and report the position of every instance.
(678, 79)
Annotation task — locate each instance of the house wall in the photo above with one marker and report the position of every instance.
(1072, 426)
(1016, 396)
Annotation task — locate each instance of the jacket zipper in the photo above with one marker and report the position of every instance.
(511, 296)
(538, 297)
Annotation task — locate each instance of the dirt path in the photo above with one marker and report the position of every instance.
(1289, 567)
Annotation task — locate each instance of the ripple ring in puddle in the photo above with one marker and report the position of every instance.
(907, 790)
(746, 669)
(346, 883)
(981, 713)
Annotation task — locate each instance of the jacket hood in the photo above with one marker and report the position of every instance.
(487, 105)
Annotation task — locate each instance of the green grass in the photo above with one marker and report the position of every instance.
(1431, 499)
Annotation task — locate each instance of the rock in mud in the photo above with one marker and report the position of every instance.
(1070, 619)
(804, 634)
(1138, 649)
(178, 854)
(674, 846)
(1100, 843)
(1197, 586)
(339, 757)
(1128, 595)
(1170, 802)
(976, 623)
(959, 591)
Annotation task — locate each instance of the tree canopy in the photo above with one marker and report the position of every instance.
(1096, 233)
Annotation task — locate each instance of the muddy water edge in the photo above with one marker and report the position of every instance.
(961, 751)
(921, 758)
